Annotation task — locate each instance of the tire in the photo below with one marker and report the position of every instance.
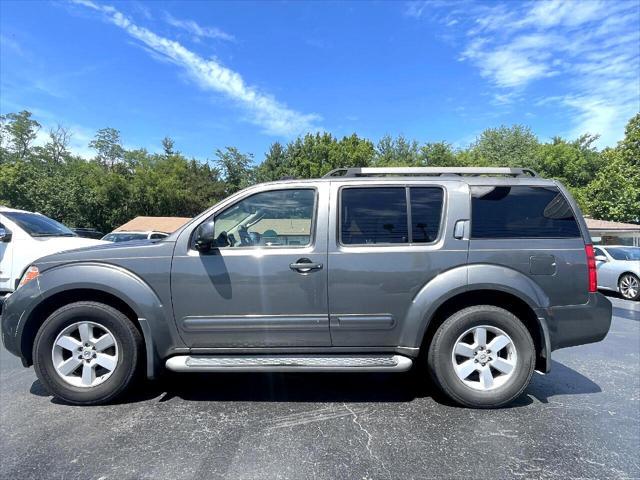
(629, 286)
(111, 360)
(476, 389)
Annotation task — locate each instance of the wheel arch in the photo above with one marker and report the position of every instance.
(52, 303)
(479, 284)
(497, 298)
(113, 286)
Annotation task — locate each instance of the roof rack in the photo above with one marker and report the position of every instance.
(431, 171)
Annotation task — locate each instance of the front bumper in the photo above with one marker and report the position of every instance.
(573, 325)
(15, 310)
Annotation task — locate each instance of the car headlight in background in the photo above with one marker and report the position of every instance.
(31, 274)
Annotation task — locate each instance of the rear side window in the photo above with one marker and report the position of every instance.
(521, 212)
(381, 215)
(374, 215)
(426, 210)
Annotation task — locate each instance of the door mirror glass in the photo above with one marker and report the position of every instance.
(601, 258)
(205, 239)
(5, 235)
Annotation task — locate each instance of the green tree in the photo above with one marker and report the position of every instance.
(108, 145)
(168, 146)
(614, 194)
(18, 132)
(514, 146)
(236, 168)
(397, 152)
(439, 154)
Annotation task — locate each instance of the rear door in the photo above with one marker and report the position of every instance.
(387, 239)
(258, 290)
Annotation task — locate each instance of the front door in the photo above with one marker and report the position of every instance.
(266, 286)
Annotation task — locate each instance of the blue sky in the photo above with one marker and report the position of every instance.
(246, 74)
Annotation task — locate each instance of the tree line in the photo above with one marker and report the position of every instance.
(118, 184)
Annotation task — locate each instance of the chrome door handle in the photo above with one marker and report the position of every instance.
(305, 265)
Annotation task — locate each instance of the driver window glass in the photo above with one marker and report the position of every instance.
(279, 218)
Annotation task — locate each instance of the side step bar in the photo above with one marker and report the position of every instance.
(289, 363)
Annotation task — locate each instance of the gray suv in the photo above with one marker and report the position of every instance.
(475, 275)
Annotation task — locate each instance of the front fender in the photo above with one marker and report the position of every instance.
(154, 317)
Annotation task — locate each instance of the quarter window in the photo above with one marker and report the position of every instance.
(278, 218)
(426, 211)
(379, 215)
(521, 212)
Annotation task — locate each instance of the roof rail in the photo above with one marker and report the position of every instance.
(431, 171)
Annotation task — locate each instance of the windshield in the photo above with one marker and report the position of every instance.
(124, 237)
(38, 225)
(625, 253)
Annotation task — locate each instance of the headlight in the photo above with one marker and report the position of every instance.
(31, 274)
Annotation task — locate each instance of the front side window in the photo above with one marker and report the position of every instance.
(278, 218)
(521, 212)
(38, 225)
(379, 215)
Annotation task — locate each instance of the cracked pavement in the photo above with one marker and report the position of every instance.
(581, 420)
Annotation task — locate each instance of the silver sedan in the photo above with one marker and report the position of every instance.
(619, 269)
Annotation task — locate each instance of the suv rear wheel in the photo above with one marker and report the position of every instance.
(482, 356)
(87, 353)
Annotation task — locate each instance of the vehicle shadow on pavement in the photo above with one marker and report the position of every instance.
(330, 387)
(562, 380)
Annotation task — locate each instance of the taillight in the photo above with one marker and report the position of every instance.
(591, 266)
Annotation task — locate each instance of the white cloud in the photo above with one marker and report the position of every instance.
(190, 26)
(592, 47)
(275, 117)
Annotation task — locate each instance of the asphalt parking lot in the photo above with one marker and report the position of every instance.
(581, 420)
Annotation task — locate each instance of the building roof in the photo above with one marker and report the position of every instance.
(605, 225)
(156, 224)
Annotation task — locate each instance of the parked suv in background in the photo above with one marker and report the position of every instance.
(477, 273)
(26, 236)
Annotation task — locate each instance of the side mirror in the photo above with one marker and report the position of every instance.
(5, 235)
(205, 239)
(601, 258)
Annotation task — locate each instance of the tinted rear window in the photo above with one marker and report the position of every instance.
(521, 212)
(374, 215)
(379, 215)
(426, 210)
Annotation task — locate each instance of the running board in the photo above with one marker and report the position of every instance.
(289, 363)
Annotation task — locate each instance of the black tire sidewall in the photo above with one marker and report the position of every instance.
(127, 343)
(442, 369)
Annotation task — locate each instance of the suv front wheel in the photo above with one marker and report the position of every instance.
(482, 356)
(87, 353)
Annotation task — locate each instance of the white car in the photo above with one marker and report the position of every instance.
(27, 236)
(619, 269)
(125, 236)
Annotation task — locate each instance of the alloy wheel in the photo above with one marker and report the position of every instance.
(484, 358)
(629, 286)
(85, 354)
